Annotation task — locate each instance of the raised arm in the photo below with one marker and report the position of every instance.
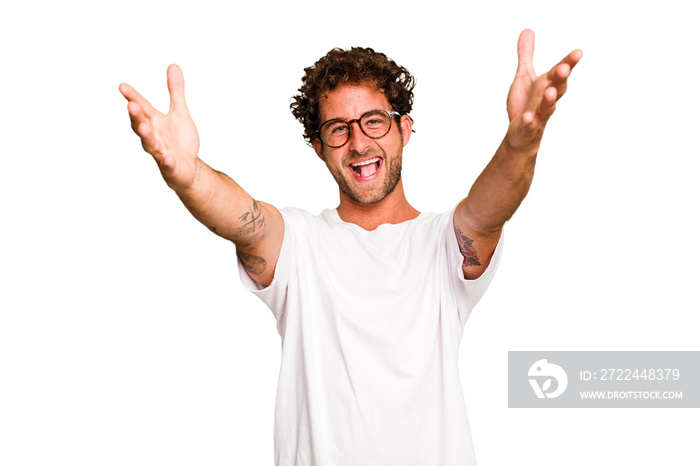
(504, 183)
(212, 197)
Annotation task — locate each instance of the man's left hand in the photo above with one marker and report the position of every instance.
(532, 99)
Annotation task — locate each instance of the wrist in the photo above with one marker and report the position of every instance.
(192, 186)
(515, 147)
(522, 140)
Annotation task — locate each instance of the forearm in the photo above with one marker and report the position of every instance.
(225, 208)
(498, 191)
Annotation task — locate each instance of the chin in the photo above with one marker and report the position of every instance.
(369, 196)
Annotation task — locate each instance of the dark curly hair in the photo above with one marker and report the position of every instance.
(355, 66)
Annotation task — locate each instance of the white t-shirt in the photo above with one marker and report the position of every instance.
(371, 323)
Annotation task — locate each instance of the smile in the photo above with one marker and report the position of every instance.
(366, 169)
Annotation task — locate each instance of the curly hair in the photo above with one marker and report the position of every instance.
(355, 66)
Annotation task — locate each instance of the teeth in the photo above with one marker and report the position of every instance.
(366, 162)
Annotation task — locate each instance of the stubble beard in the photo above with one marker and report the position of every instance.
(391, 165)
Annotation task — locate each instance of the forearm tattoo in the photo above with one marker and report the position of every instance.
(253, 264)
(466, 248)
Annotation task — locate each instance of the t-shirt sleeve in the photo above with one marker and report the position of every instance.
(275, 294)
(468, 292)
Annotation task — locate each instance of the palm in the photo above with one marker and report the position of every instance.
(175, 135)
(171, 139)
(518, 95)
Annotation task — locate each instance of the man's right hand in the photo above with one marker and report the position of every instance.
(256, 228)
(171, 139)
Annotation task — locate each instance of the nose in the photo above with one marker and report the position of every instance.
(358, 141)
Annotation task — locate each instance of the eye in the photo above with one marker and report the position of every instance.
(338, 128)
(334, 127)
(375, 119)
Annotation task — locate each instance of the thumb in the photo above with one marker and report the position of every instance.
(526, 50)
(176, 87)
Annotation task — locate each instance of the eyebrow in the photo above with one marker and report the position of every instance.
(357, 118)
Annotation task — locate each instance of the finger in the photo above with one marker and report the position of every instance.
(127, 91)
(526, 50)
(136, 115)
(168, 163)
(530, 129)
(573, 58)
(549, 102)
(176, 87)
(558, 77)
(141, 126)
(132, 96)
(562, 70)
(546, 107)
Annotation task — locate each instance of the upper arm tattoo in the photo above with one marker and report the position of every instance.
(253, 264)
(252, 220)
(466, 248)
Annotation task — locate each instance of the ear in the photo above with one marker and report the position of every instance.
(318, 147)
(406, 128)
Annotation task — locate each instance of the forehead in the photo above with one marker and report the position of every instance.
(351, 101)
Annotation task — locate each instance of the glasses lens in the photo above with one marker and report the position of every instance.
(375, 124)
(335, 132)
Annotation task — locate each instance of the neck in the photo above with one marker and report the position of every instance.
(394, 208)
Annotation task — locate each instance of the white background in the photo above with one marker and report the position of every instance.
(125, 336)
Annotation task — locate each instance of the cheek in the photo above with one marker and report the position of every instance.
(333, 160)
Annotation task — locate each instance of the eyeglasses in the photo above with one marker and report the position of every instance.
(374, 124)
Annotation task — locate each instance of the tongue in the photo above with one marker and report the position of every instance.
(368, 170)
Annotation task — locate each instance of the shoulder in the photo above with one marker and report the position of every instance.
(296, 216)
(300, 223)
(434, 217)
(432, 221)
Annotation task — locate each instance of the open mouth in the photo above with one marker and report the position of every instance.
(366, 168)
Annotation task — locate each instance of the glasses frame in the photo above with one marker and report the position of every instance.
(391, 114)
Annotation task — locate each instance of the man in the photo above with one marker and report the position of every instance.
(370, 298)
